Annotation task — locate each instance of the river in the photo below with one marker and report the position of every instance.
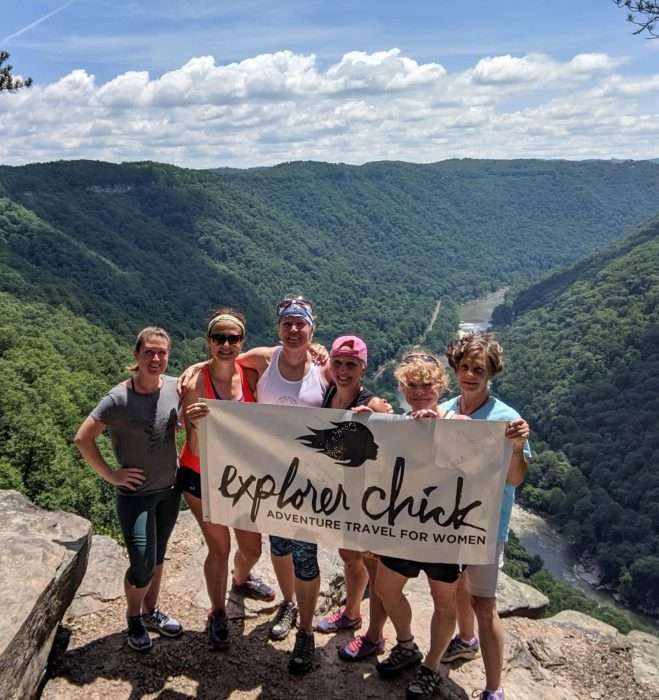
(533, 531)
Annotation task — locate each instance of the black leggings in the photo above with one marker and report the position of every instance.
(147, 522)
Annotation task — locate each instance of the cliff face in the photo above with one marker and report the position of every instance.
(569, 657)
(43, 557)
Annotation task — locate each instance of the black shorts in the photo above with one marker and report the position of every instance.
(189, 481)
(446, 573)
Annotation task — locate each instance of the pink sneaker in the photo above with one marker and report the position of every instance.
(338, 621)
(361, 647)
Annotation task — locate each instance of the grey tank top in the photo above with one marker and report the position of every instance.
(142, 429)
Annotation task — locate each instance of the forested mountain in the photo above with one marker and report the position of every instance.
(90, 252)
(583, 368)
(375, 246)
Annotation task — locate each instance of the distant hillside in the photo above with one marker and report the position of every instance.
(54, 367)
(583, 356)
(376, 246)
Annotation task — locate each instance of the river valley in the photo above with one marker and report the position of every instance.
(533, 531)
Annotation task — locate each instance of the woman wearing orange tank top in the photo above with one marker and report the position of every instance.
(222, 378)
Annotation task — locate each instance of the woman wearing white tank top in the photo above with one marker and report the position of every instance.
(288, 376)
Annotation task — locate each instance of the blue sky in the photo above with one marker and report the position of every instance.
(307, 100)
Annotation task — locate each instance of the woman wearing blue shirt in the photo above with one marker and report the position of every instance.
(476, 358)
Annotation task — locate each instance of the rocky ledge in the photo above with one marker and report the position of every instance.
(569, 657)
(43, 556)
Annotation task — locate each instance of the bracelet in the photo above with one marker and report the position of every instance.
(518, 452)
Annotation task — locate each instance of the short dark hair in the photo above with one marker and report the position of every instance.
(473, 343)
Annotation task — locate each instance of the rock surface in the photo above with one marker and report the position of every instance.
(645, 659)
(43, 556)
(104, 579)
(517, 599)
(544, 659)
(580, 621)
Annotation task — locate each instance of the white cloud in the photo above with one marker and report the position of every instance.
(367, 106)
(539, 69)
(381, 71)
(617, 86)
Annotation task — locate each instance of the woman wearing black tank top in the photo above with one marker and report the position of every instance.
(348, 358)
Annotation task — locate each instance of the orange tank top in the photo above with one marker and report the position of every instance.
(187, 458)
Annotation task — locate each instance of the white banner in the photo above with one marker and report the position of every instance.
(427, 490)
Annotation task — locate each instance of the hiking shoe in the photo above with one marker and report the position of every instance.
(218, 629)
(459, 649)
(138, 635)
(489, 695)
(338, 621)
(301, 660)
(399, 659)
(160, 622)
(255, 588)
(359, 648)
(283, 621)
(425, 685)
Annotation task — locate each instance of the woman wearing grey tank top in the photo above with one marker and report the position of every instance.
(141, 416)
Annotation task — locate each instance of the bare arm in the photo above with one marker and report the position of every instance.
(252, 379)
(90, 430)
(189, 376)
(193, 410)
(518, 432)
(257, 359)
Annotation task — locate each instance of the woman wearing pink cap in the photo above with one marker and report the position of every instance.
(348, 359)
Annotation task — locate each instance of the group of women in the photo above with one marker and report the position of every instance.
(141, 416)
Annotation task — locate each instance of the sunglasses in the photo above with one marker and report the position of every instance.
(419, 356)
(301, 301)
(221, 338)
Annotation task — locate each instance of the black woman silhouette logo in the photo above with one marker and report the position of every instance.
(349, 443)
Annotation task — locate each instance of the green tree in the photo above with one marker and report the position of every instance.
(643, 14)
(7, 80)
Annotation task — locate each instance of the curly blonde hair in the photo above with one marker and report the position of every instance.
(422, 367)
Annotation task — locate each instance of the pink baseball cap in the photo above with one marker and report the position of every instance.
(350, 346)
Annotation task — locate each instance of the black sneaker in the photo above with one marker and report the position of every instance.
(459, 650)
(255, 588)
(138, 635)
(302, 656)
(283, 621)
(398, 660)
(162, 623)
(425, 684)
(218, 630)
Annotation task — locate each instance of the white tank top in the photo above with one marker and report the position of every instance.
(272, 388)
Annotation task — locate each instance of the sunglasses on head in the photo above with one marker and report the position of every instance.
(221, 338)
(301, 301)
(419, 356)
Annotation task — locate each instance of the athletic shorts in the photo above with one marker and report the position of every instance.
(305, 556)
(189, 481)
(480, 580)
(446, 573)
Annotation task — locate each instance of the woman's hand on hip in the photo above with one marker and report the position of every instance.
(130, 478)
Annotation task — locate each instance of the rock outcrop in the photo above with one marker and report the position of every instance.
(43, 557)
(104, 579)
(568, 657)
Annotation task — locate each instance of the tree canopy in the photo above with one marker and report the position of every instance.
(583, 369)
(9, 82)
(643, 13)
